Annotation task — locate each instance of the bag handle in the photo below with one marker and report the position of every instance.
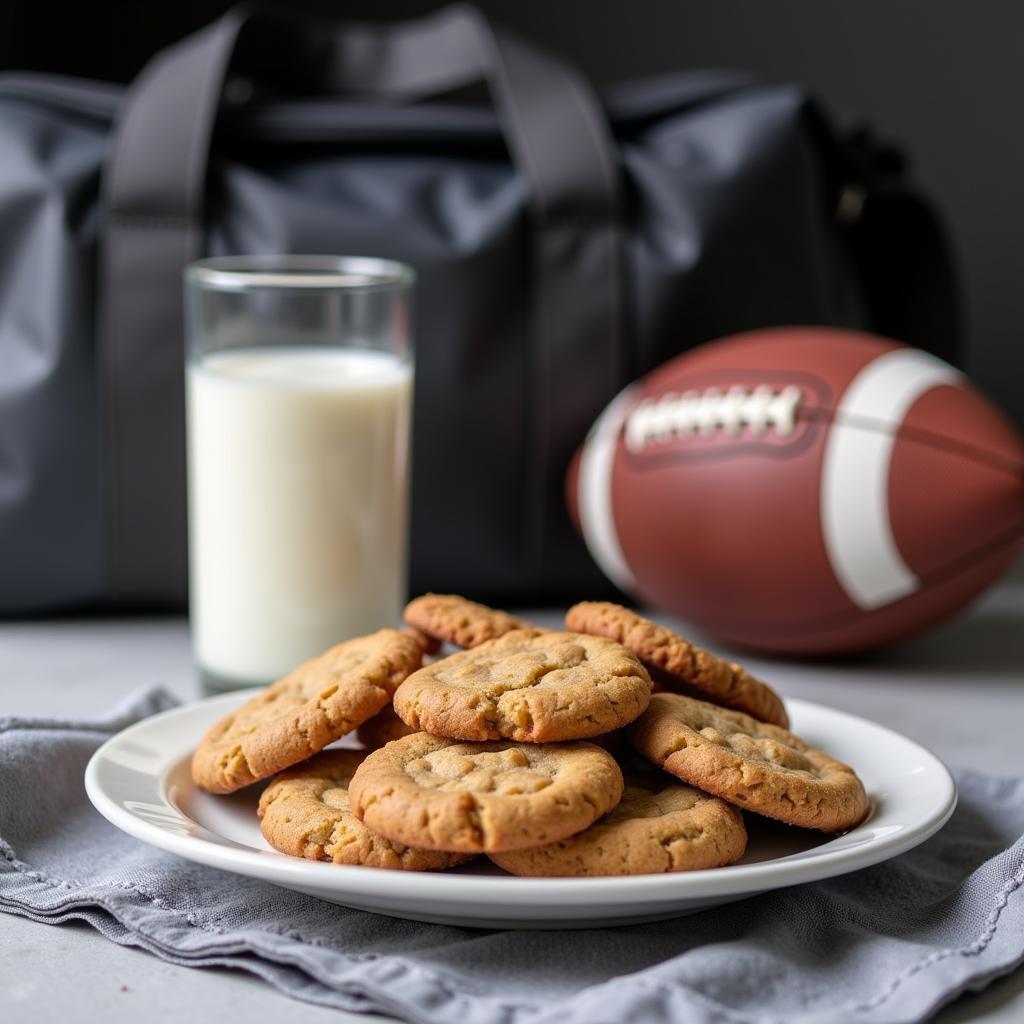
(153, 195)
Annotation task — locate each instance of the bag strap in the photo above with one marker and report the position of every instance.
(153, 196)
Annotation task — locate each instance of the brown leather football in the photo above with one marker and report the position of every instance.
(802, 490)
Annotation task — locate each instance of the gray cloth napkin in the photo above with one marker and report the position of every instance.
(890, 943)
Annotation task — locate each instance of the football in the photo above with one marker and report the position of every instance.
(802, 490)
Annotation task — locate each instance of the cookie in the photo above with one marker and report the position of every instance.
(458, 620)
(529, 685)
(297, 716)
(483, 797)
(430, 644)
(752, 764)
(384, 727)
(305, 812)
(658, 826)
(677, 665)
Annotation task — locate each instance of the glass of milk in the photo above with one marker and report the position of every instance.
(299, 380)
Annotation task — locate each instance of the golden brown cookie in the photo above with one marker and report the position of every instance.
(384, 727)
(529, 685)
(297, 716)
(458, 620)
(658, 826)
(430, 644)
(305, 812)
(676, 664)
(752, 764)
(483, 797)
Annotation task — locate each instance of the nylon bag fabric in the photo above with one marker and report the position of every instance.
(564, 243)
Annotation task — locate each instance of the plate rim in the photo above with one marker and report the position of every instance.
(293, 872)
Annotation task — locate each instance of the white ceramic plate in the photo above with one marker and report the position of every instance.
(139, 780)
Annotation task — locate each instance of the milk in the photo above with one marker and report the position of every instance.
(298, 503)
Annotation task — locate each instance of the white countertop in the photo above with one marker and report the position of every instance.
(959, 692)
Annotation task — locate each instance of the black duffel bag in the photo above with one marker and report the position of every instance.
(564, 245)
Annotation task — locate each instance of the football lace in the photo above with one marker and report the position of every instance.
(702, 413)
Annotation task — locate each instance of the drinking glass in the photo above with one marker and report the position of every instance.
(299, 381)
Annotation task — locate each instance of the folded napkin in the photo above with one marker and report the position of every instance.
(889, 943)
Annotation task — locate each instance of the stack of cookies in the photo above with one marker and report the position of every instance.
(614, 748)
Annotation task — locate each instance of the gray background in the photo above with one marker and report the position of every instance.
(943, 77)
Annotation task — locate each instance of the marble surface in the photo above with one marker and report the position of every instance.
(959, 691)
